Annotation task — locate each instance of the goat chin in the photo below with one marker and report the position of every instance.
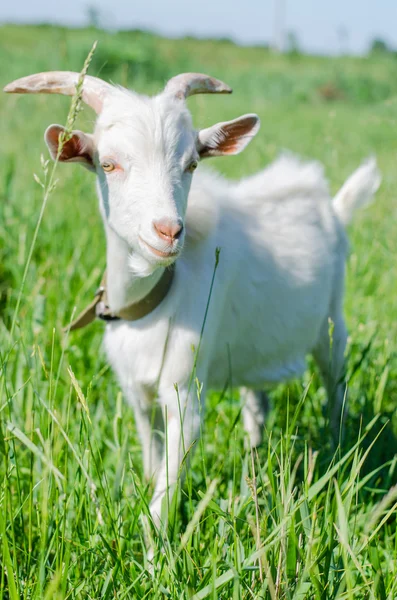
(142, 266)
(279, 281)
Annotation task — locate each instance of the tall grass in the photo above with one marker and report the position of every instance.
(293, 520)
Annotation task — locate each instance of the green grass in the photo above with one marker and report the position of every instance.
(293, 521)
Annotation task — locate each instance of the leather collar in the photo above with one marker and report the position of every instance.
(99, 308)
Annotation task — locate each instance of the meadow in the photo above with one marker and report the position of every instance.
(294, 520)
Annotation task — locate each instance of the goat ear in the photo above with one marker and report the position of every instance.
(228, 138)
(78, 148)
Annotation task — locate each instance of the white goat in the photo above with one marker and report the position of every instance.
(281, 268)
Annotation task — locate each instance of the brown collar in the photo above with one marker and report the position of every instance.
(132, 312)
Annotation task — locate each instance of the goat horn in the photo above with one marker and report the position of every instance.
(187, 84)
(62, 82)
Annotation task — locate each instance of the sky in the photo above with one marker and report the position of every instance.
(321, 26)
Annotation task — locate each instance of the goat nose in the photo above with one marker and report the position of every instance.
(168, 230)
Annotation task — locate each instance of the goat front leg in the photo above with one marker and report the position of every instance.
(150, 427)
(182, 416)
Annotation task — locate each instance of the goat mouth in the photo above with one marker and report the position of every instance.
(160, 253)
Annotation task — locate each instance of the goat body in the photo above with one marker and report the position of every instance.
(282, 254)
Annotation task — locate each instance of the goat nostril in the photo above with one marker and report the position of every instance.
(178, 231)
(168, 230)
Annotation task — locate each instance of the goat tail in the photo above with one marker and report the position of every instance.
(357, 191)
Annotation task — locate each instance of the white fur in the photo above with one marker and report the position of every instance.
(279, 280)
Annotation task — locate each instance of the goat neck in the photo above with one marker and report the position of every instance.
(123, 285)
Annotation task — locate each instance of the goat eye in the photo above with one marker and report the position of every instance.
(192, 166)
(108, 166)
